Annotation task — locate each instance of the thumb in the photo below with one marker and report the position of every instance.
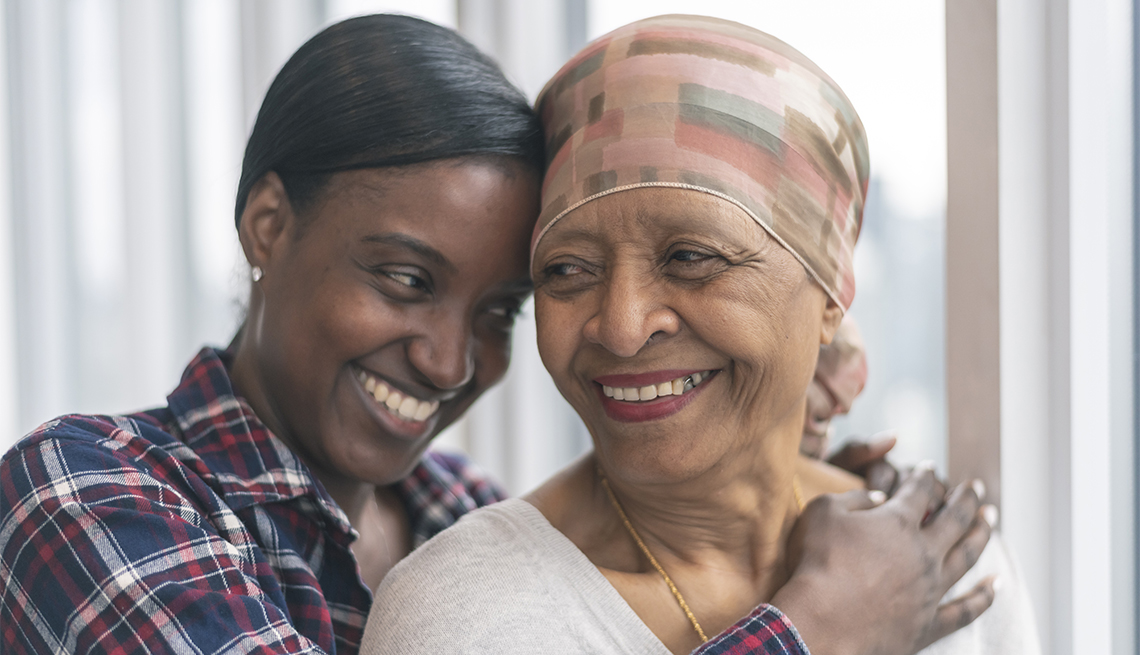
(881, 443)
(854, 455)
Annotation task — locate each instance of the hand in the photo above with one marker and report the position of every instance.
(868, 576)
(868, 460)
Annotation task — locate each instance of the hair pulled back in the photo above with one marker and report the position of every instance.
(378, 91)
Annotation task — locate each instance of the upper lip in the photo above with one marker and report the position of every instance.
(428, 397)
(645, 379)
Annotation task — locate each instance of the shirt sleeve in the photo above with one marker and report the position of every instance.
(766, 631)
(100, 555)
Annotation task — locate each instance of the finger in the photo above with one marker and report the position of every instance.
(855, 455)
(882, 443)
(964, 554)
(858, 499)
(942, 487)
(882, 476)
(916, 496)
(962, 611)
(960, 512)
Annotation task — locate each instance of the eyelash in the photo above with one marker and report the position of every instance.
(559, 270)
(696, 256)
(508, 312)
(408, 280)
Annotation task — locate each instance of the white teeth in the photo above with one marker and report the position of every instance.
(394, 400)
(381, 393)
(409, 407)
(406, 407)
(675, 387)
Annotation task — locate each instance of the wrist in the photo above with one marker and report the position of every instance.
(805, 606)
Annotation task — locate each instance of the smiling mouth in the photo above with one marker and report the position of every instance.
(676, 387)
(402, 406)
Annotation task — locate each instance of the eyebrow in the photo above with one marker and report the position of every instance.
(413, 244)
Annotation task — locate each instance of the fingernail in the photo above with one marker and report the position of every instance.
(990, 514)
(979, 488)
(997, 584)
(924, 465)
(877, 497)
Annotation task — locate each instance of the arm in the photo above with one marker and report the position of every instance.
(98, 555)
(869, 578)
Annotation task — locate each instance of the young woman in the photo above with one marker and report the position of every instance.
(387, 197)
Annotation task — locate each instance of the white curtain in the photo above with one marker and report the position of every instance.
(126, 122)
(122, 125)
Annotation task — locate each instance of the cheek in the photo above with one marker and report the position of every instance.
(492, 359)
(558, 330)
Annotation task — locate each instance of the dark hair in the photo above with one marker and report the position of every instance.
(384, 90)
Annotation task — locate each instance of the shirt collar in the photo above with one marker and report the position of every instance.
(250, 464)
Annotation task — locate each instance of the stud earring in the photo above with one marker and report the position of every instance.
(256, 273)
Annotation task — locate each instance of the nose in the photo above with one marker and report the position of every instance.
(445, 355)
(630, 313)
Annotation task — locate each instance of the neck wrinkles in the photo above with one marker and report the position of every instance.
(737, 515)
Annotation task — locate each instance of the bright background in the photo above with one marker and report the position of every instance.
(122, 124)
(128, 122)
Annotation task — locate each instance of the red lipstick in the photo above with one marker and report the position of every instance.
(652, 410)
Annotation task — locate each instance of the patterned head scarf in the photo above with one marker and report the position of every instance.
(717, 107)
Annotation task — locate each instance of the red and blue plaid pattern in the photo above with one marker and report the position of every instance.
(192, 529)
(189, 528)
(766, 631)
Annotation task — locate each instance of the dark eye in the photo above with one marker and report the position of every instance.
(687, 256)
(687, 263)
(407, 279)
(402, 283)
(562, 270)
(508, 311)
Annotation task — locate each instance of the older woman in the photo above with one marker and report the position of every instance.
(694, 251)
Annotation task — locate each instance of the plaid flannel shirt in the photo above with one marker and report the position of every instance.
(191, 528)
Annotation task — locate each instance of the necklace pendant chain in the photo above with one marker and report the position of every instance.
(652, 560)
(797, 491)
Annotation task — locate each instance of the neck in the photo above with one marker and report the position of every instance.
(735, 516)
(352, 496)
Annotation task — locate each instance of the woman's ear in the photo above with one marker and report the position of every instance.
(263, 222)
(832, 317)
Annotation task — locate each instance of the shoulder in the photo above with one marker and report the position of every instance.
(441, 489)
(84, 462)
(502, 580)
(500, 541)
(82, 442)
(469, 588)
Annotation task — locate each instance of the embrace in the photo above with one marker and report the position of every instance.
(683, 201)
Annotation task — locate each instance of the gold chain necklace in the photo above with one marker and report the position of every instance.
(653, 560)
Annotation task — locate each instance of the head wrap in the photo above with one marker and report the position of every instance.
(718, 107)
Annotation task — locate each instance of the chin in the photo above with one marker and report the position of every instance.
(661, 460)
